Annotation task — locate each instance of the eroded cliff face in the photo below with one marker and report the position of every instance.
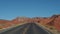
(21, 20)
(51, 21)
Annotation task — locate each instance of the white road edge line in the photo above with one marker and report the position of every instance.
(43, 28)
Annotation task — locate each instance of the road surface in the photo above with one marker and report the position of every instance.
(30, 28)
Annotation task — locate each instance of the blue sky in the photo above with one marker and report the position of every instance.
(10, 9)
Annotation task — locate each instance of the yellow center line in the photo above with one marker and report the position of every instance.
(25, 30)
(34, 30)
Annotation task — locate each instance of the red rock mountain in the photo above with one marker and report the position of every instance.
(52, 21)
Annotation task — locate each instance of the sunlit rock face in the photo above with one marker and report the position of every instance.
(21, 20)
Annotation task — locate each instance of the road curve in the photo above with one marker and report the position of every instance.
(29, 28)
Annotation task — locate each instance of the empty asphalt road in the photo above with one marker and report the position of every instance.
(29, 28)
